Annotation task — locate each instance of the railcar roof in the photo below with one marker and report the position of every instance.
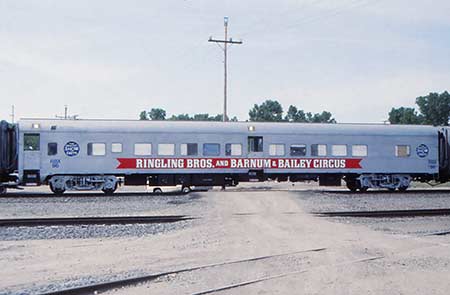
(124, 126)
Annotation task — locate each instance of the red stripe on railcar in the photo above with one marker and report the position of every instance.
(239, 163)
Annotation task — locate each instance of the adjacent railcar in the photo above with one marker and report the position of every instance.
(100, 154)
(8, 155)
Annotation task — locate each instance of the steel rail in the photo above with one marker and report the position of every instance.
(386, 213)
(92, 220)
(105, 286)
(278, 276)
(86, 194)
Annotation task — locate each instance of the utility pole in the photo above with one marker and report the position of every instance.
(12, 114)
(66, 115)
(225, 43)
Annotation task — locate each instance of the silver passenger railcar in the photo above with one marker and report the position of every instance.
(101, 154)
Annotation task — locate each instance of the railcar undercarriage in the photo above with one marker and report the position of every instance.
(389, 181)
(109, 183)
(106, 183)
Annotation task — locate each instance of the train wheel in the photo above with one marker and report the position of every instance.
(109, 191)
(57, 191)
(391, 189)
(363, 189)
(352, 185)
(185, 189)
(2, 190)
(403, 188)
(157, 190)
(58, 184)
(110, 187)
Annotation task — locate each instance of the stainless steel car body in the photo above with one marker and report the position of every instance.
(381, 141)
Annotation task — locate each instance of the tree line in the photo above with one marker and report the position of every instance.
(434, 109)
(268, 111)
(272, 111)
(158, 114)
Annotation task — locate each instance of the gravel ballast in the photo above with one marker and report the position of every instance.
(95, 205)
(336, 200)
(234, 226)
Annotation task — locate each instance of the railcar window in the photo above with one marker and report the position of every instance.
(142, 149)
(359, 150)
(52, 148)
(166, 149)
(402, 151)
(255, 144)
(233, 149)
(211, 149)
(31, 142)
(298, 150)
(339, 150)
(116, 147)
(189, 149)
(96, 149)
(276, 150)
(319, 150)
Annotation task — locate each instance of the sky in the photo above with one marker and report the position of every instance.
(113, 59)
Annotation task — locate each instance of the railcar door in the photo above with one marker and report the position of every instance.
(256, 150)
(255, 146)
(31, 158)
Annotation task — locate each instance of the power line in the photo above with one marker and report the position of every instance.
(281, 15)
(308, 19)
(225, 43)
(334, 12)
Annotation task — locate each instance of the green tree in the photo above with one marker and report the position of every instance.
(217, 117)
(181, 117)
(324, 117)
(404, 115)
(207, 117)
(201, 117)
(143, 115)
(295, 115)
(268, 111)
(435, 108)
(157, 114)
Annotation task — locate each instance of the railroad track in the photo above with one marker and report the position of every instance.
(384, 191)
(102, 287)
(278, 276)
(37, 195)
(387, 213)
(93, 220)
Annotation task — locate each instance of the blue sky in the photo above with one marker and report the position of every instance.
(112, 59)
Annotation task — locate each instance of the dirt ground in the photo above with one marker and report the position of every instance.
(314, 255)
